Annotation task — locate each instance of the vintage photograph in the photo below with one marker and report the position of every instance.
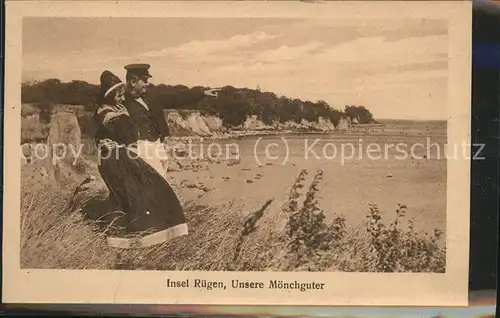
(248, 144)
(238, 144)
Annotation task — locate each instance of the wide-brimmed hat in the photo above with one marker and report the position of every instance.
(109, 82)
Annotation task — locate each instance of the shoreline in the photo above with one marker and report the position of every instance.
(240, 135)
(379, 129)
(256, 133)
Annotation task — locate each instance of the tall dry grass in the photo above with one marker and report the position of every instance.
(297, 237)
(56, 232)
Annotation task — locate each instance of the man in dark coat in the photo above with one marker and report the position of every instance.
(148, 114)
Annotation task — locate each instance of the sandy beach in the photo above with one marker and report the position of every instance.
(358, 170)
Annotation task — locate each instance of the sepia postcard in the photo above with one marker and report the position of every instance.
(271, 153)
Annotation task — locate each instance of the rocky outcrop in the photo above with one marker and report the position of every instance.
(252, 123)
(65, 137)
(291, 125)
(324, 124)
(177, 125)
(63, 144)
(60, 156)
(195, 124)
(214, 123)
(344, 124)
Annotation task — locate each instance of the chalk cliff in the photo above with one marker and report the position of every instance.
(193, 123)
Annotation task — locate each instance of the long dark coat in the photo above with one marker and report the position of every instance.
(148, 202)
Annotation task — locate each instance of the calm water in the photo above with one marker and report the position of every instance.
(390, 140)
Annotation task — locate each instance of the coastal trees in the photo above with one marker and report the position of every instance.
(360, 113)
(233, 105)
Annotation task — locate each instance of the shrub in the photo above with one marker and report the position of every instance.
(309, 237)
(295, 238)
(312, 244)
(396, 249)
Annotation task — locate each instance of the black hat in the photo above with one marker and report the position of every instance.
(138, 70)
(109, 82)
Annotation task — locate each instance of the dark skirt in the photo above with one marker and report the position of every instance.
(152, 213)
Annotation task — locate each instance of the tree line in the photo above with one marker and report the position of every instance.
(233, 105)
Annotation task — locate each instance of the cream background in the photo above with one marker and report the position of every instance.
(89, 286)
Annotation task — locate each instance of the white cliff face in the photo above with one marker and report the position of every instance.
(177, 125)
(175, 119)
(252, 123)
(290, 125)
(214, 123)
(324, 124)
(344, 124)
(196, 124)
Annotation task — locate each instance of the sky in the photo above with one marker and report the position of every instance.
(396, 68)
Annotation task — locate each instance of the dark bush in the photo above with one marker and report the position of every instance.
(233, 105)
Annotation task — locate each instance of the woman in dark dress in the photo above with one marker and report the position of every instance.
(152, 213)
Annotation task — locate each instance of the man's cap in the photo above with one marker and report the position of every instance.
(138, 69)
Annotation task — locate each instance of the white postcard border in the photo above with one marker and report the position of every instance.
(148, 287)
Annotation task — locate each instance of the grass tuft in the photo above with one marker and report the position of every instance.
(299, 236)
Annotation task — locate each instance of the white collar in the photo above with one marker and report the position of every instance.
(142, 102)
